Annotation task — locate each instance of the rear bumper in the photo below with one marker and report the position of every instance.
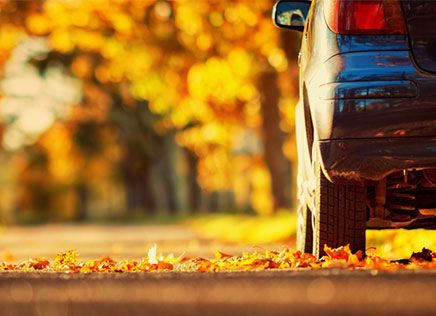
(373, 159)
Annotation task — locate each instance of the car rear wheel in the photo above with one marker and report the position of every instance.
(340, 215)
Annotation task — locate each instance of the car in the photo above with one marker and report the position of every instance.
(365, 119)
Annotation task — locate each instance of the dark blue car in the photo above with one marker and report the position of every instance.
(366, 119)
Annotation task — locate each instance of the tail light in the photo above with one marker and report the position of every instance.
(372, 17)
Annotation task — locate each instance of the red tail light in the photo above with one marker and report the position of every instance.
(377, 17)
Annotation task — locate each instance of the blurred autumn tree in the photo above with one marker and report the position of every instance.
(188, 104)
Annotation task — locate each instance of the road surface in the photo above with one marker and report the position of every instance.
(329, 292)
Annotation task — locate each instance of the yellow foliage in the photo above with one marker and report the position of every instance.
(37, 24)
(9, 37)
(122, 23)
(61, 41)
(188, 16)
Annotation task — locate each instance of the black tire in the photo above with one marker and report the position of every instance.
(340, 215)
(304, 229)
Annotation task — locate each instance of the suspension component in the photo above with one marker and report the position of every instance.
(406, 199)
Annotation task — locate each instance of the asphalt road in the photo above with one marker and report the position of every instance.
(328, 292)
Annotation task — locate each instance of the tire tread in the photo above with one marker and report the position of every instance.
(341, 214)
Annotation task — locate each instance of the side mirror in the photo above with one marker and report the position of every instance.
(291, 14)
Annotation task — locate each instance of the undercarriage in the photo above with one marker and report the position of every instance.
(404, 199)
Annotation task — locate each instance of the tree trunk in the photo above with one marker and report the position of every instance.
(82, 194)
(171, 173)
(194, 189)
(136, 181)
(213, 199)
(273, 139)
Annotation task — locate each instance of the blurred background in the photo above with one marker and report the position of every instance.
(116, 109)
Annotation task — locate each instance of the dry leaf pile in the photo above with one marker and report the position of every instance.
(286, 258)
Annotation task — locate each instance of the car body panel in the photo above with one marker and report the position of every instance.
(421, 24)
